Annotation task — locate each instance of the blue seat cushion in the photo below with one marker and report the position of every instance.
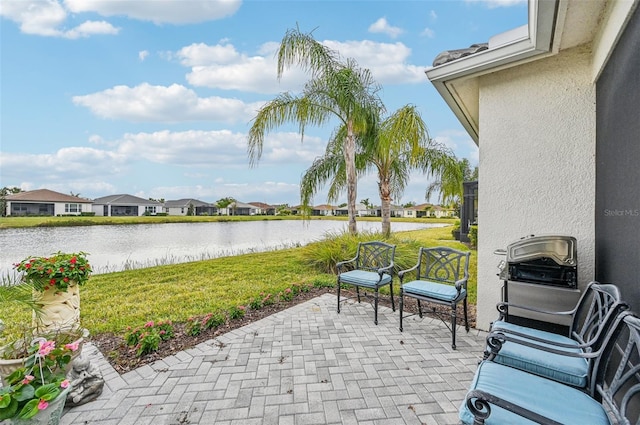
(547, 336)
(425, 288)
(565, 369)
(548, 398)
(364, 278)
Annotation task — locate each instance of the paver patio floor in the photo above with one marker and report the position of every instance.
(305, 365)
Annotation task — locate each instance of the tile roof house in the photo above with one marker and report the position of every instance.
(323, 210)
(46, 202)
(553, 108)
(125, 205)
(264, 209)
(181, 207)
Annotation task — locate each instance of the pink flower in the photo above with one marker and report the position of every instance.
(287, 291)
(65, 383)
(72, 346)
(241, 307)
(42, 405)
(27, 379)
(46, 347)
(149, 324)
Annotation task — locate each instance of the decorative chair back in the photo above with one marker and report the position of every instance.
(374, 255)
(597, 308)
(618, 371)
(444, 265)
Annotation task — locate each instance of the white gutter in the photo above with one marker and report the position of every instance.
(538, 41)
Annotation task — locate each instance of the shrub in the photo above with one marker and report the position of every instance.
(149, 342)
(193, 326)
(146, 339)
(473, 235)
(237, 312)
(286, 295)
(211, 321)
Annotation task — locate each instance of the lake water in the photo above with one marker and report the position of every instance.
(114, 248)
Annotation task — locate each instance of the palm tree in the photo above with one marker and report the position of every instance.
(337, 89)
(449, 185)
(399, 144)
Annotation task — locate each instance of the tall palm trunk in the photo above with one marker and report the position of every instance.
(350, 163)
(385, 199)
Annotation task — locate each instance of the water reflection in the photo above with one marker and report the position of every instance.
(114, 248)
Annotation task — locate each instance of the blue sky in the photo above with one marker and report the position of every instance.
(154, 98)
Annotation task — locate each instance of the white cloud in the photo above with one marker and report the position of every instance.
(175, 103)
(222, 66)
(53, 168)
(428, 32)
(166, 11)
(492, 4)
(460, 143)
(382, 26)
(216, 149)
(387, 61)
(46, 17)
(433, 15)
(142, 55)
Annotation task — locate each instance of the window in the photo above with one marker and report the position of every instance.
(72, 208)
(150, 209)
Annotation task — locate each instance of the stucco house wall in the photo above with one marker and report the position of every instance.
(537, 156)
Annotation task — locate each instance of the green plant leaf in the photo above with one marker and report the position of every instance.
(24, 393)
(10, 410)
(48, 392)
(5, 399)
(29, 410)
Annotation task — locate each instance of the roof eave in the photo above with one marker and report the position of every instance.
(541, 25)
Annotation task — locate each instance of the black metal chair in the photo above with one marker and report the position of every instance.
(371, 268)
(564, 358)
(501, 394)
(441, 277)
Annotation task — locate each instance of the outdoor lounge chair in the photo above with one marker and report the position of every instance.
(501, 394)
(567, 359)
(371, 268)
(441, 277)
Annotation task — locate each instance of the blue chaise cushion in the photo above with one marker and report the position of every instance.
(364, 278)
(568, 370)
(548, 398)
(429, 289)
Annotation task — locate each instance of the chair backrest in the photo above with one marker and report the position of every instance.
(597, 308)
(443, 264)
(374, 255)
(617, 371)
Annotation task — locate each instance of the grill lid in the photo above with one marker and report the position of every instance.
(561, 249)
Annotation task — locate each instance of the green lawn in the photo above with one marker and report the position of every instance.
(111, 302)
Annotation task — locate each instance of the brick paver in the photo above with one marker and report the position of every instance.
(306, 365)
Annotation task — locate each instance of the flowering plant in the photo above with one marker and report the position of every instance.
(57, 271)
(31, 388)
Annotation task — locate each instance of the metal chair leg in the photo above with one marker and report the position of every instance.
(358, 292)
(375, 314)
(419, 309)
(338, 295)
(466, 320)
(393, 305)
(401, 307)
(453, 327)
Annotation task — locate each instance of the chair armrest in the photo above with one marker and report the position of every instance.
(340, 264)
(401, 273)
(462, 283)
(495, 340)
(503, 307)
(386, 269)
(479, 404)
